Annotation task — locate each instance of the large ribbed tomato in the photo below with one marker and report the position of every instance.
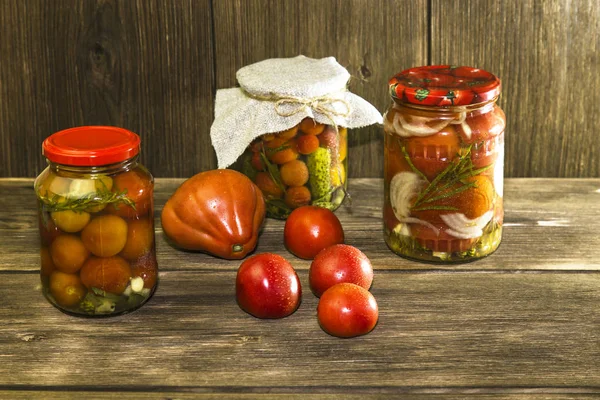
(219, 212)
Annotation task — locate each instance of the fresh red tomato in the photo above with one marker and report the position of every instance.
(310, 229)
(339, 263)
(347, 310)
(267, 286)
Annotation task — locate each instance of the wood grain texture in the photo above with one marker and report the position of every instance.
(364, 36)
(143, 65)
(153, 67)
(519, 324)
(435, 330)
(550, 224)
(200, 393)
(547, 55)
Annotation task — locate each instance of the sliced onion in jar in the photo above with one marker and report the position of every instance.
(464, 228)
(417, 127)
(466, 129)
(403, 187)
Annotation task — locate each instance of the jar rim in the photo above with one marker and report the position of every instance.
(444, 86)
(91, 146)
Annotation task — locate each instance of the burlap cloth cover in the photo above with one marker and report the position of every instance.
(276, 94)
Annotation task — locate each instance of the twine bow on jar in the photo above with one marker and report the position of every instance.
(322, 104)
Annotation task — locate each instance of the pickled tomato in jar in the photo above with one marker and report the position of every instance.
(303, 165)
(443, 164)
(96, 222)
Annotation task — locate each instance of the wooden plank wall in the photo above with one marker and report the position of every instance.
(153, 67)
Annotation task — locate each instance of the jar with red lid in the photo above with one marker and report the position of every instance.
(96, 222)
(444, 161)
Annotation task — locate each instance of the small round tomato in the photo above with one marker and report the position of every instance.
(307, 144)
(68, 253)
(347, 310)
(66, 289)
(432, 154)
(139, 188)
(105, 235)
(267, 286)
(480, 125)
(339, 263)
(310, 229)
(111, 274)
(146, 268)
(70, 221)
(140, 238)
(311, 127)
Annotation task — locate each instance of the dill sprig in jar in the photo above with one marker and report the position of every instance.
(96, 222)
(444, 159)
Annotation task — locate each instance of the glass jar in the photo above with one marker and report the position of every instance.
(444, 160)
(96, 222)
(304, 165)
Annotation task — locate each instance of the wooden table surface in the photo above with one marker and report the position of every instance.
(522, 323)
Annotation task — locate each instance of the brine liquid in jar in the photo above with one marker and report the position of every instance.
(443, 164)
(304, 165)
(96, 222)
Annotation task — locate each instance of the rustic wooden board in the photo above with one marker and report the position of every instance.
(520, 324)
(435, 330)
(551, 224)
(199, 393)
(546, 54)
(196, 393)
(153, 67)
(145, 65)
(367, 37)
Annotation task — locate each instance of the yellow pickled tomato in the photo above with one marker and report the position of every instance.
(343, 148)
(338, 175)
(294, 173)
(70, 221)
(288, 134)
(68, 253)
(66, 289)
(105, 235)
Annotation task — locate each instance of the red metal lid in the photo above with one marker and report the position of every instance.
(444, 86)
(91, 146)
